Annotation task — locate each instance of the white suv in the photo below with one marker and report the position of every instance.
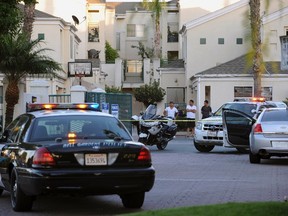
(209, 131)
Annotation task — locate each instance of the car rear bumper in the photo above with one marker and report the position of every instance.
(92, 182)
(268, 146)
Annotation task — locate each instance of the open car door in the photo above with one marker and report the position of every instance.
(236, 128)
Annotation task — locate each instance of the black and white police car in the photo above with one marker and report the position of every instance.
(72, 149)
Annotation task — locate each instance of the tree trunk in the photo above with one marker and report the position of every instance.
(255, 22)
(11, 98)
(29, 10)
(157, 39)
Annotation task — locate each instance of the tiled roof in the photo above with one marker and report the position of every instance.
(121, 8)
(39, 14)
(241, 66)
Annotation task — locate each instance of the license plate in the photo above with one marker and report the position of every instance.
(212, 133)
(95, 159)
(280, 144)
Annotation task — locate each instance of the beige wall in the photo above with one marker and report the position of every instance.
(65, 9)
(202, 57)
(272, 32)
(193, 9)
(222, 90)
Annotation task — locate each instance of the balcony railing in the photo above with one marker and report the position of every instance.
(133, 71)
(60, 98)
(133, 77)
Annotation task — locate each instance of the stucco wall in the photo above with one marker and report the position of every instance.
(222, 90)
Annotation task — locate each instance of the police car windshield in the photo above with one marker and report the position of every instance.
(84, 127)
(241, 106)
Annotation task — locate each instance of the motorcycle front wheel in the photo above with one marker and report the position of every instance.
(162, 145)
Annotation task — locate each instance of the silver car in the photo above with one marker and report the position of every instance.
(267, 136)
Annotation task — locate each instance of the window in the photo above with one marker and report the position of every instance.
(41, 36)
(202, 41)
(242, 92)
(220, 40)
(71, 47)
(134, 66)
(172, 32)
(89, 127)
(134, 30)
(172, 55)
(267, 93)
(118, 40)
(177, 95)
(284, 52)
(93, 32)
(239, 40)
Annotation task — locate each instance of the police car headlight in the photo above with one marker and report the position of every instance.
(199, 125)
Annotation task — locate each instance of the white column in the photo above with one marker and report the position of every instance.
(78, 94)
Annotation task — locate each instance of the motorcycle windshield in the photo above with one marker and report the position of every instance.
(150, 112)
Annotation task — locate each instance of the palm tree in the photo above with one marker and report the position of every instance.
(256, 42)
(20, 57)
(156, 7)
(29, 10)
(10, 18)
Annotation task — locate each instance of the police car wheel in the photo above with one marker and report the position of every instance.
(133, 200)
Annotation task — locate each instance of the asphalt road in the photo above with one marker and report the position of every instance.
(184, 177)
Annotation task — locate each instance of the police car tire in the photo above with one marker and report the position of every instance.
(133, 200)
(203, 148)
(19, 200)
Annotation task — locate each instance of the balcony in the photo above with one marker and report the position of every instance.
(133, 71)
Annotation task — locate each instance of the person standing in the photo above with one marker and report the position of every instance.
(190, 118)
(171, 111)
(206, 110)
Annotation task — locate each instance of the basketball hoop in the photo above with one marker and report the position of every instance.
(80, 74)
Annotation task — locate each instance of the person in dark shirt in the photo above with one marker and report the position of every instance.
(206, 110)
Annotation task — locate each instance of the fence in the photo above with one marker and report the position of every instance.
(124, 102)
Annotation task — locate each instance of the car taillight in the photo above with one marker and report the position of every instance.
(258, 129)
(144, 155)
(43, 157)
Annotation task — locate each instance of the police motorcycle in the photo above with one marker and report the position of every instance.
(154, 129)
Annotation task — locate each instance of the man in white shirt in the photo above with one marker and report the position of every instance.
(190, 118)
(171, 111)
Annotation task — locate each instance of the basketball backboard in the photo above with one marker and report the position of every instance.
(77, 69)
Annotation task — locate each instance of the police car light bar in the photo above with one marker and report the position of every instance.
(258, 99)
(49, 106)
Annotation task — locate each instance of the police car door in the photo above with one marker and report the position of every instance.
(236, 128)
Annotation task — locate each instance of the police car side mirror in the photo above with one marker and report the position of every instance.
(254, 111)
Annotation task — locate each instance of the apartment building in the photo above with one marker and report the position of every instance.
(192, 66)
(215, 48)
